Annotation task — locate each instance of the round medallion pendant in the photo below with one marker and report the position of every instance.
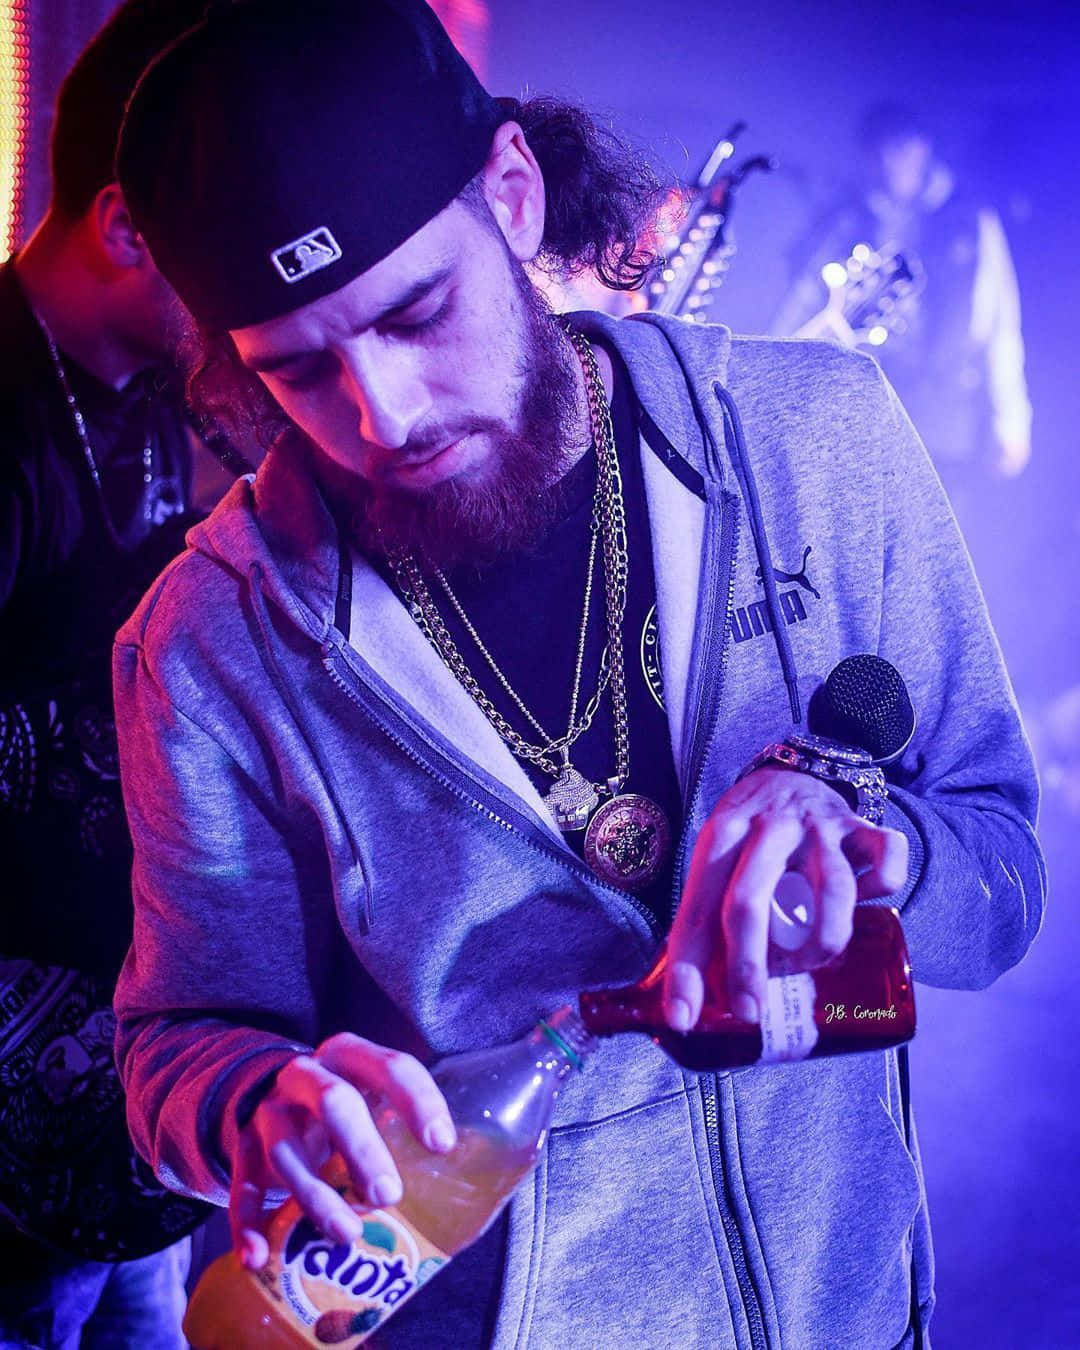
(627, 841)
(571, 800)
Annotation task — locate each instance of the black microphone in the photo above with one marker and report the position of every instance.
(864, 705)
(864, 702)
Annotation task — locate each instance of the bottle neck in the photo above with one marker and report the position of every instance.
(566, 1031)
(506, 1094)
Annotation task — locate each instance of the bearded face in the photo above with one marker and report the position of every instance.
(439, 395)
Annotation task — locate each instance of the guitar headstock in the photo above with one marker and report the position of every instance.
(695, 244)
(695, 255)
(872, 295)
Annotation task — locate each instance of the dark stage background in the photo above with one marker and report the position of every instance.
(993, 1072)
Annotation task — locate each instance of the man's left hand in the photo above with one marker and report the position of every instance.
(772, 821)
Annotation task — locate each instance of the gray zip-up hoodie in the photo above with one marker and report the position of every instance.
(329, 834)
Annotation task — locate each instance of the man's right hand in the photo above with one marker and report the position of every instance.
(315, 1108)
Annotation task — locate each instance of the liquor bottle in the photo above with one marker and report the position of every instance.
(862, 1000)
(317, 1291)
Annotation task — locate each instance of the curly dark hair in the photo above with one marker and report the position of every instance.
(231, 405)
(602, 196)
(602, 193)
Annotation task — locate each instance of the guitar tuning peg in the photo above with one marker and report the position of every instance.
(834, 274)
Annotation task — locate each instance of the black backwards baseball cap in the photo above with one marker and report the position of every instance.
(282, 147)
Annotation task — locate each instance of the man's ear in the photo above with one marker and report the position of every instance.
(119, 240)
(514, 188)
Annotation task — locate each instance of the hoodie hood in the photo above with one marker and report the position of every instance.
(279, 522)
(646, 343)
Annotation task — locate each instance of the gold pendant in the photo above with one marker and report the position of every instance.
(627, 842)
(572, 799)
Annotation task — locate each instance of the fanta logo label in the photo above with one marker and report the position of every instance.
(338, 1292)
(380, 1268)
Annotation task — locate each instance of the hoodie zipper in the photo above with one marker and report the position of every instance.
(565, 858)
(713, 673)
(710, 1101)
(712, 682)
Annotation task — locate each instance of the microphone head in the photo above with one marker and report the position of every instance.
(864, 702)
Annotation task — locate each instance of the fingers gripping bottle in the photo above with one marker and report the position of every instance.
(316, 1291)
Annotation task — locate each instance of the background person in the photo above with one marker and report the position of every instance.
(96, 488)
(958, 362)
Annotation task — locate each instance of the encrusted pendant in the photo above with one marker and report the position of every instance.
(572, 799)
(627, 841)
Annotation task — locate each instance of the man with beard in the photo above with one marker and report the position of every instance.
(497, 579)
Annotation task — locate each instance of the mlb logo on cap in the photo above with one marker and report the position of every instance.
(310, 253)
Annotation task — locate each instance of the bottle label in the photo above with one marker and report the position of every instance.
(788, 1029)
(337, 1293)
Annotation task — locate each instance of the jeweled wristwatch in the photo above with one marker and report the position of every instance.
(845, 767)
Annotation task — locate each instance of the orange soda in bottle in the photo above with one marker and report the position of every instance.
(317, 1291)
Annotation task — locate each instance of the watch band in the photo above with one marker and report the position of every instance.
(845, 767)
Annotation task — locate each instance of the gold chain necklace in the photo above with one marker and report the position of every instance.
(574, 727)
(628, 837)
(572, 798)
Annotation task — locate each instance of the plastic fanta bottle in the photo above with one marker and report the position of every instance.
(317, 1291)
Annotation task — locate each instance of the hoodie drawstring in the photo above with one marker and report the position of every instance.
(741, 460)
(736, 444)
